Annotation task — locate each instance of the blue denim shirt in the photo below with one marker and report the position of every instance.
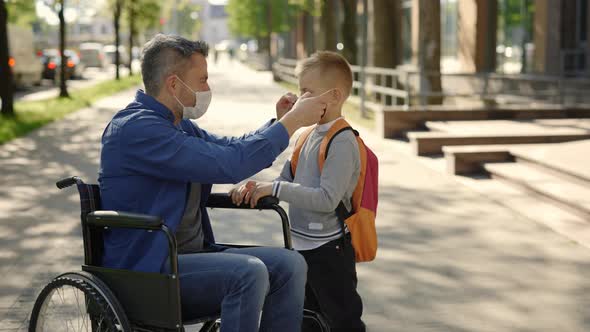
(147, 164)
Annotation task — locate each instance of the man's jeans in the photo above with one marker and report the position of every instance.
(242, 282)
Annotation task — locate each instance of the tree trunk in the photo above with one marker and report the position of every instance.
(63, 88)
(349, 31)
(426, 47)
(132, 32)
(386, 28)
(269, 35)
(6, 77)
(328, 24)
(384, 41)
(117, 18)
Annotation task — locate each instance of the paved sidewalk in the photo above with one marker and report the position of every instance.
(449, 259)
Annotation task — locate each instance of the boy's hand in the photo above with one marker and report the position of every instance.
(261, 189)
(242, 193)
(285, 104)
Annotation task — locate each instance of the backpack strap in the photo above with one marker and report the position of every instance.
(297, 150)
(338, 127)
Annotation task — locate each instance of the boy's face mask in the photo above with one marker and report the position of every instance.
(202, 101)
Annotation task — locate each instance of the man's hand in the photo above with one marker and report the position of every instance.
(242, 193)
(285, 104)
(260, 190)
(306, 111)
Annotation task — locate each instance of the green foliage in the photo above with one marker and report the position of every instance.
(21, 12)
(146, 13)
(31, 115)
(511, 10)
(179, 16)
(513, 14)
(187, 24)
(250, 18)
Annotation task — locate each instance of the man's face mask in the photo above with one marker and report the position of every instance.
(202, 101)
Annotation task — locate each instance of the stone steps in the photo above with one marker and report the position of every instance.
(573, 196)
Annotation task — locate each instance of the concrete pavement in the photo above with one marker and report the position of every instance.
(449, 259)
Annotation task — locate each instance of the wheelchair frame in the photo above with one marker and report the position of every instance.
(124, 290)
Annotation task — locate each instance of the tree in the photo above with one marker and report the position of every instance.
(386, 27)
(58, 6)
(19, 12)
(349, 31)
(260, 18)
(328, 25)
(181, 17)
(63, 88)
(141, 15)
(117, 6)
(426, 47)
(6, 79)
(131, 16)
(187, 23)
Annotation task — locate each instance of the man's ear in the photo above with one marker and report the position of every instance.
(170, 84)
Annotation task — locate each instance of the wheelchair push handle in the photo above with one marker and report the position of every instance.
(67, 182)
(223, 201)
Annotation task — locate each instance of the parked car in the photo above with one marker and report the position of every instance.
(52, 64)
(25, 65)
(93, 55)
(109, 50)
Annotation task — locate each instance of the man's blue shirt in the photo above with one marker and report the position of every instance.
(147, 164)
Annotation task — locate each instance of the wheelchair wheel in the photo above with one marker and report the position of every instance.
(77, 302)
(314, 321)
(211, 326)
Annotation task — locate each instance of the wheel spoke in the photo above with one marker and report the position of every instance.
(81, 319)
(67, 305)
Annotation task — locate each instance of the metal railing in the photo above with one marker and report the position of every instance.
(388, 87)
(574, 61)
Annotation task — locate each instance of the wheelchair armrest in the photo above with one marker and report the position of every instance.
(223, 201)
(124, 220)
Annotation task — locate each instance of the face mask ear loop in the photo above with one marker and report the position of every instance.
(188, 87)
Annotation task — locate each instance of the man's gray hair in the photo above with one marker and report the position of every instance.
(164, 55)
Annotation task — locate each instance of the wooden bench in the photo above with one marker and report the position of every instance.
(396, 122)
(431, 143)
(468, 159)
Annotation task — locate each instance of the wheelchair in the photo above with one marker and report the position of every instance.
(100, 299)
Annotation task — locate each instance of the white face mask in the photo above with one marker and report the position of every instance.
(202, 101)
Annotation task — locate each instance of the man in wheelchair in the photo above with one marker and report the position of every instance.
(156, 160)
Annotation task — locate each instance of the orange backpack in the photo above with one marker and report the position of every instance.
(361, 220)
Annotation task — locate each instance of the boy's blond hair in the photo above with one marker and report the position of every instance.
(332, 66)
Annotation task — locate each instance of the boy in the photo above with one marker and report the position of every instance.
(313, 197)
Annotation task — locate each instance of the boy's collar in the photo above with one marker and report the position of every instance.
(322, 128)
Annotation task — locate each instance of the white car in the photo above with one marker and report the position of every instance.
(109, 50)
(92, 55)
(26, 66)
